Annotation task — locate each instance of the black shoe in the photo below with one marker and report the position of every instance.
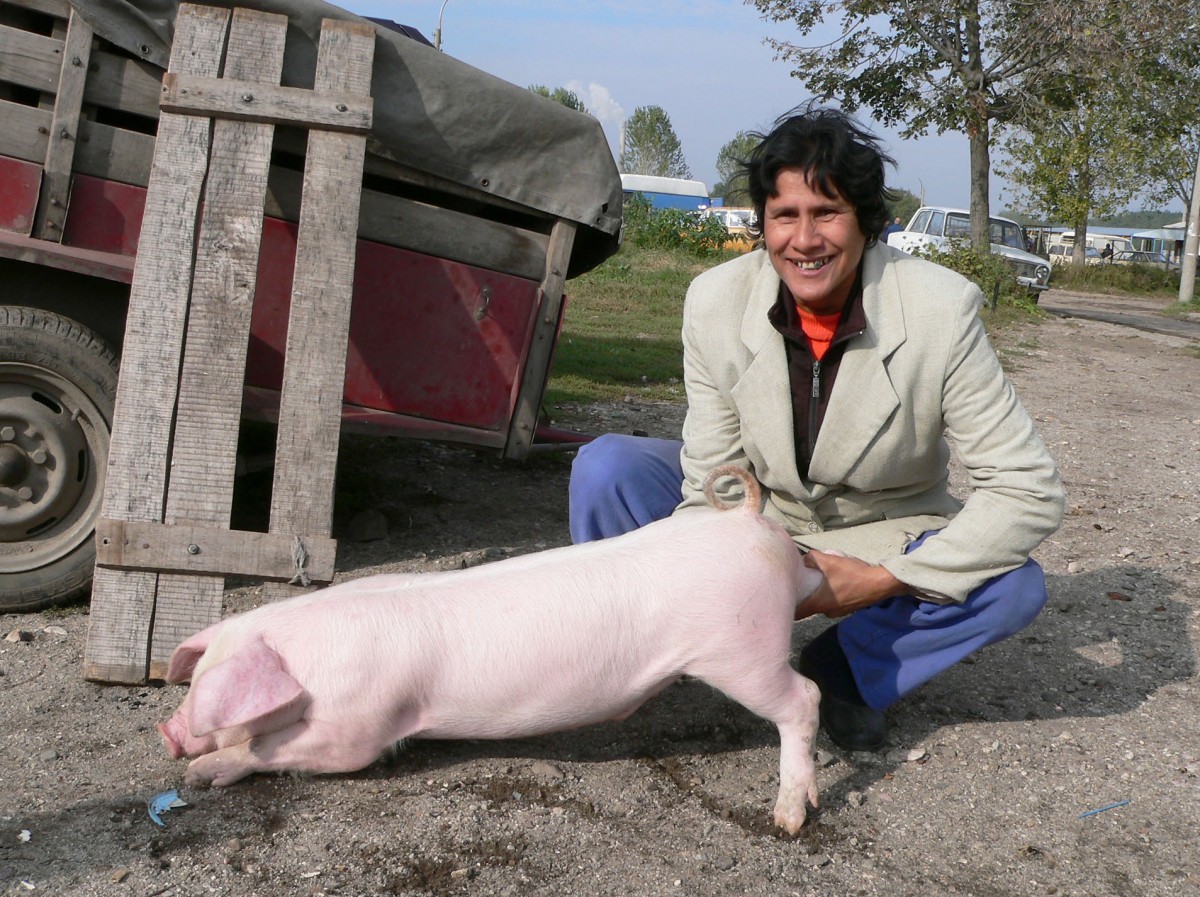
(845, 716)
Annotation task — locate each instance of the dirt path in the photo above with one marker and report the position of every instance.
(982, 791)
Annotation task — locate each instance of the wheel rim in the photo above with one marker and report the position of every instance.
(53, 451)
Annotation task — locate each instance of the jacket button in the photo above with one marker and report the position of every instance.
(814, 527)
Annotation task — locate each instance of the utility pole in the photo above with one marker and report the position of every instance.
(1191, 243)
(437, 35)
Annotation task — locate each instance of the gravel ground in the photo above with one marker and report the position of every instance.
(985, 787)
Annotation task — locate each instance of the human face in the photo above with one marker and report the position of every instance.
(814, 242)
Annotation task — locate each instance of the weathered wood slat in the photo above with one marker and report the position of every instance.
(319, 324)
(29, 59)
(186, 548)
(59, 8)
(545, 326)
(249, 101)
(123, 603)
(64, 131)
(117, 82)
(204, 448)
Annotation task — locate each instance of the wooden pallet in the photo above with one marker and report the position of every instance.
(164, 543)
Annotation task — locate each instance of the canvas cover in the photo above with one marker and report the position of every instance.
(433, 113)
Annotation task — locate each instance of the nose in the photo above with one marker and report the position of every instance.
(806, 232)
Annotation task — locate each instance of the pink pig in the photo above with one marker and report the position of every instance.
(533, 644)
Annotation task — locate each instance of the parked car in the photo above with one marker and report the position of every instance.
(1140, 257)
(936, 225)
(737, 222)
(1061, 254)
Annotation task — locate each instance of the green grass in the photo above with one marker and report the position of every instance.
(620, 335)
(1130, 280)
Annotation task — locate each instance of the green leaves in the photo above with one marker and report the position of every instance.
(650, 145)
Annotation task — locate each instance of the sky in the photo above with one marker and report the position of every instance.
(703, 61)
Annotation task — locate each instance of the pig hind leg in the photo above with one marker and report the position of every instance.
(778, 693)
(303, 746)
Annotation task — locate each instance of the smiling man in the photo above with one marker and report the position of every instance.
(838, 370)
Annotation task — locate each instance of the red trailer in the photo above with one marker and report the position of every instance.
(467, 177)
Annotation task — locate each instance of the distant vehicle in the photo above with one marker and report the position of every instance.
(1095, 240)
(737, 222)
(1061, 254)
(1140, 257)
(937, 226)
(667, 193)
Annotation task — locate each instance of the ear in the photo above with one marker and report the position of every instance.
(247, 686)
(185, 657)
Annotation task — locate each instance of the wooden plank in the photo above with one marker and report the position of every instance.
(64, 131)
(204, 448)
(444, 233)
(247, 100)
(108, 265)
(129, 85)
(318, 328)
(187, 548)
(29, 59)
(102, 151)
(123, 603)
(59, 8)
(537, 361)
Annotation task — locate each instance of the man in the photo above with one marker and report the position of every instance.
(833, 367)
(894, 228)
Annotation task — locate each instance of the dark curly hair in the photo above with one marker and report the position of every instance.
(839, 154)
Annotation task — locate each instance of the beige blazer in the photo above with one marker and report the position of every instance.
(922, 372)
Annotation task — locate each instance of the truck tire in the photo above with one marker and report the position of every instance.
(58, 383)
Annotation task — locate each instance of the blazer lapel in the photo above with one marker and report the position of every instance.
(863, 399)
(763, 392)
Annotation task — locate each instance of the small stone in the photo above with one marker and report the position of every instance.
(48, 756)
(856, 798)
(54, 630)
(725, 863)
(1125, 552)
(118, 875)
(19, 635)
(1074, 567)
(544, 769)
(458, 874)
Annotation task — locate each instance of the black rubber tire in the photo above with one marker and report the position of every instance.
(58, 384)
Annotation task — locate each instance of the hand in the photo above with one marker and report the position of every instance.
(850, 585)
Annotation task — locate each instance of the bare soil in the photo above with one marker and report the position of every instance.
(984, 788)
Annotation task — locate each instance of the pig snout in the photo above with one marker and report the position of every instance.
(179, 741)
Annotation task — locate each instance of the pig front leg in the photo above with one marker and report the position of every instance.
(304, 745)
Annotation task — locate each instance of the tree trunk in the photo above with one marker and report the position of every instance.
(981, 166)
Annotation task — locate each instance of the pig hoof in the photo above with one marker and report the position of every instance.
(790, 819)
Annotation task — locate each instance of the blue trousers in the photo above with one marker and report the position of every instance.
(619, 483)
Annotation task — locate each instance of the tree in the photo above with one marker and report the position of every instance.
(903, 205)
(955, 65)
(649, 145)
(730, 161)
(1076, 163)
(1103, 132)
(560, 95)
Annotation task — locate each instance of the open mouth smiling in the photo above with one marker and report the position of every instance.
(814, 265)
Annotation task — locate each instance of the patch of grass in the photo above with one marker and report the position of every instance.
(1131, 280)
(620, 334)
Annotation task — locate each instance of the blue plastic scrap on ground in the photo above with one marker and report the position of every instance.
(160, 803)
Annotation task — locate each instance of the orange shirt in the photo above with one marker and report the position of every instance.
(819, 329)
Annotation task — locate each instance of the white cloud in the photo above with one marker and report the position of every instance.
(599, 101)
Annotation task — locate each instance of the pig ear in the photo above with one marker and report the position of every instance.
(244, 687)
(187, 655)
